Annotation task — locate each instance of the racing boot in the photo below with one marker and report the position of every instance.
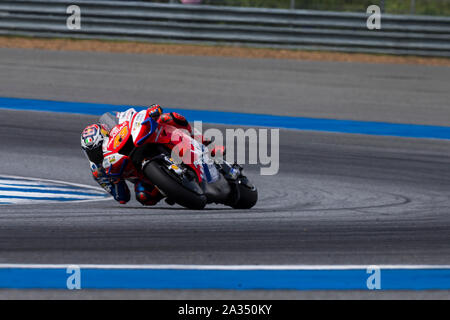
(147, 194)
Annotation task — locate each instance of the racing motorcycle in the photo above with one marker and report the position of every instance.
(141, 149)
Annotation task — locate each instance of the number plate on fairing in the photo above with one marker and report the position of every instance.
(118, 137)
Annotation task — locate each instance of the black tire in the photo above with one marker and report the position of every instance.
(247, 197)
(172, 188)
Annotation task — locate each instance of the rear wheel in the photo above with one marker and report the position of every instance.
(186, 193)
(248, 195)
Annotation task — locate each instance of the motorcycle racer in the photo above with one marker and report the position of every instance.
(95, 137)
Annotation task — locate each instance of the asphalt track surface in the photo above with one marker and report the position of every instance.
(338, 199)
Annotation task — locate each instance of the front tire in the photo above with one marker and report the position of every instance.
(173, 189)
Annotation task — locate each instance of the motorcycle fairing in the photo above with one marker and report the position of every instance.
(143, 129)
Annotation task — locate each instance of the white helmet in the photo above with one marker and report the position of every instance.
(92, 139)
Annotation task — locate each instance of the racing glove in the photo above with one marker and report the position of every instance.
(118, 188)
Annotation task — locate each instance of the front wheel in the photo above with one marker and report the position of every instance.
(172, 186)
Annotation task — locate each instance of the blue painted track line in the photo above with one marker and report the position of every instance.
(245, 119)
(18, 184)
(14, 189)
(39, 186)
(122, 278)
(31, 190)
(42, 198)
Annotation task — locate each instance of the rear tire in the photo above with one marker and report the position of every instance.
(248, 196)
(172, 188)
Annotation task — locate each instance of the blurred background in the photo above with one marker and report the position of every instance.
(408, 27)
